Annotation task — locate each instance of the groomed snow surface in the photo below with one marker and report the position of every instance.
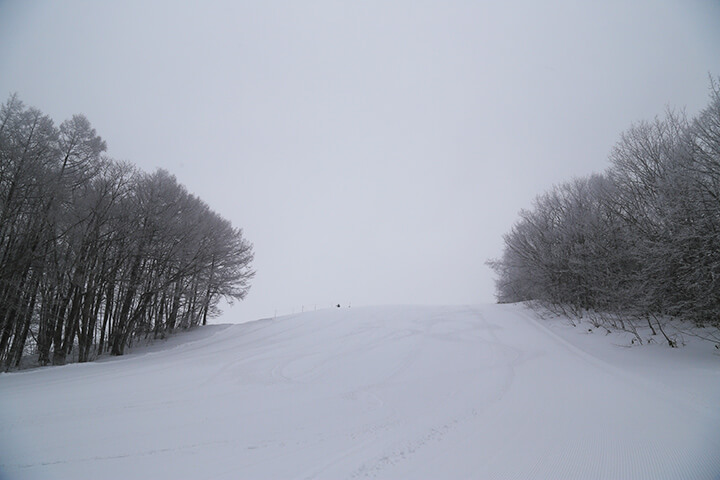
(486, 392)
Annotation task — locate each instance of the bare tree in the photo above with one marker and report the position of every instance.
(94, 253)
(639, 244)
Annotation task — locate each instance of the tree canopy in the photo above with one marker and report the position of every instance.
(94, 252)
(640, 241)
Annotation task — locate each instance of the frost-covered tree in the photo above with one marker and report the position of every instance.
(640, 243)
(94, 253)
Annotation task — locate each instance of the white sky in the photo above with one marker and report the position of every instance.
(373, 152)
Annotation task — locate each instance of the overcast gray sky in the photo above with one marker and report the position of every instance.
(373, 152)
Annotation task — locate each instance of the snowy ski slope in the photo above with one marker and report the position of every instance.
(486, 392)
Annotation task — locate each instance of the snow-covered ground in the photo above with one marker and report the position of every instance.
(387, 392)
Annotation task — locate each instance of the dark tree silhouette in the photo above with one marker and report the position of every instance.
(93, 252)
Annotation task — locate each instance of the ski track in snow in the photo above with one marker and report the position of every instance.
(384, 392)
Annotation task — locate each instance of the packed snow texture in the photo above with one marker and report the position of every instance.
(394, 392)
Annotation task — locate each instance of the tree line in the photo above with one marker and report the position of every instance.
(637, 244)
(94, 252)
